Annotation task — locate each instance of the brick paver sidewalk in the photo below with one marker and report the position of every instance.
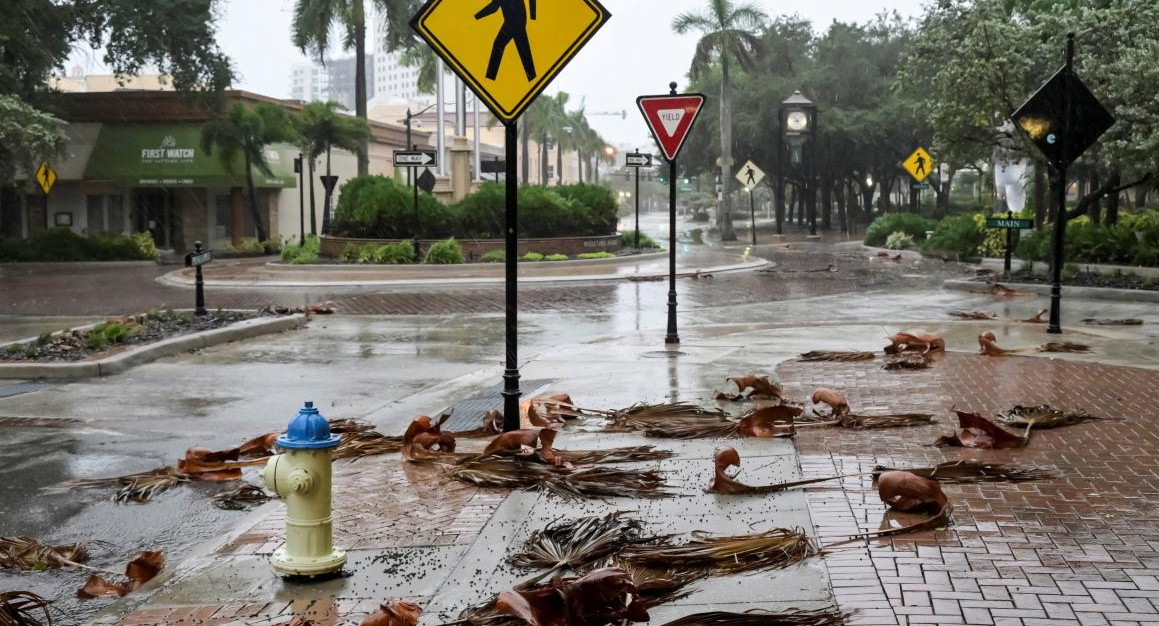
(1082, 548)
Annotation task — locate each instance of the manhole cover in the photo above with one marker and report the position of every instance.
(7, 390)
(469, 413)
(663, 354)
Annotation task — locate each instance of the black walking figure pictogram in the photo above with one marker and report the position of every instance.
(514, 29)
(752, 176)
(921, 164)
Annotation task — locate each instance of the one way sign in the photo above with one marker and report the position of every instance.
(415, 158)
(635, 159)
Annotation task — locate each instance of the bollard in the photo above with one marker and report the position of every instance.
(302, 477)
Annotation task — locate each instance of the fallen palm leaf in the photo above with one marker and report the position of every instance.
(727, 457)
(995, 289)
(345, 425)
(770, 421)
(241, 498)
(1037, 318)
(605, 596)
(629, 454)
(658, 586)
(394, 613)
(750, 388)
(1113, 322)
(908, 361)
(915, 342)
(836, 402)
(422, 437)
(973, 315)
(143, 568)
(988, 346)
(140, 487)
(978, 432)
(968, 472)
(515, 473)
(17, 608)
(800, 617)
(576, 543)
(777, 548)
(259, 446)
(1064, 346)
(908, 492)
(24, 553)
(836, 355)
(356, 445)
(864, 422)
(1043, 416)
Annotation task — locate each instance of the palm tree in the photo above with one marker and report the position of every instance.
(322, 128)
(245, 133)
(315, 19)
(727, 32)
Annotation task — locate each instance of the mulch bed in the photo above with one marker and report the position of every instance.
(1084, 279)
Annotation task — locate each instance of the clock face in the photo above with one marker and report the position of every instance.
(798, 121)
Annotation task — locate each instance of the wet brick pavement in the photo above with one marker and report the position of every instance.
(1082, 548)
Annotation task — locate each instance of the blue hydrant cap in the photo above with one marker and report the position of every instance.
(308, 431)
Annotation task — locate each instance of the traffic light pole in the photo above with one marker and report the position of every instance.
(511, 391)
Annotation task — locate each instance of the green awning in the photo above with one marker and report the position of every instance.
(170, 155)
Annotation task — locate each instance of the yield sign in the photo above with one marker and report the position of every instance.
(670, 118)
(508, 51)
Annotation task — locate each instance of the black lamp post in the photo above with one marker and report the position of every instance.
(799, 126)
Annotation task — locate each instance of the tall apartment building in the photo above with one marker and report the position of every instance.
(332, 81)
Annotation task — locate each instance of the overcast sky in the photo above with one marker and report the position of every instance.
(635, 52)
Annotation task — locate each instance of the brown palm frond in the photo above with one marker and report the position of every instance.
(668, 410)
(972, 315)
(28, 553)
(780, 547)
(941, 519)
(966, 472)
(241, 498)
(836, 355)
(692, 428)
(576, 543)
(678, 420)
(1043, 416)
(629, 454)
(140, 487)
(908, 361)
(1113, 322)
(585, 482)
(1064, 346)
(349, 425)
(659, 585)
(19, 608)
(358, 444)
(798, 617)
(864, 422)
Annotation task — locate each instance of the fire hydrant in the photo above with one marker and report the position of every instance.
(301, 476)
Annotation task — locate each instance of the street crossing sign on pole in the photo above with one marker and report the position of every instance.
(635, 159)
(46, 177)
(415, 158)
(670, 118)
(750, 175)
(508, 51)
(919, 164)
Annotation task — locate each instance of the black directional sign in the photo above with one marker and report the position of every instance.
(1042, 118)
(1009, 223)
(415, 158)
(638, 160)
(198, 259)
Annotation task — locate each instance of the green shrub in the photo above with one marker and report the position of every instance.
(531, 256)
(483, 213)
(400, 253)
(96, 341)
(494, 256)
(899, 241)
(697, 235)
(446, 252)
(248, 245)
(957, 234)
(63, 245)
(596, 255)
(913, 225)
(376, 207)
(545, 213)
(44, 338)
(555, 257)
(350, 253)
(628, 240)
(307, 254)
(601, 203)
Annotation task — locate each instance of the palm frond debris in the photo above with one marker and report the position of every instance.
(843, 356)
(22, 608)
(582, 482)
(26, 553)
(800, 617)
(777, 548)
(1064, 346)
(1043, 416)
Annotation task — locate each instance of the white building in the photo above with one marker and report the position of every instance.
(309, 82)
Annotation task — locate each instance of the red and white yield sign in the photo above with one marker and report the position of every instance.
(670, 118)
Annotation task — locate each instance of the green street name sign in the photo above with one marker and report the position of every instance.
(1013, 224)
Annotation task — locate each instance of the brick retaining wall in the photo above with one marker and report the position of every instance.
(475, 248)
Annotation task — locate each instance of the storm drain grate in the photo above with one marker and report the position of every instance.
(469, 413)
(7, 390)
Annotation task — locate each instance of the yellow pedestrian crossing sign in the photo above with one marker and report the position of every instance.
(46, 177)
(750, 175)
(508, 51)
(919, 164)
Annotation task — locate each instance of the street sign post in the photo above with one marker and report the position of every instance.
(46, 178)
(750, 176)
(507, 52)
(416, 158)
(919, 165)
(670, 118)
(1063, 118)
(636, 160)
(197, 259)
(1009, 224)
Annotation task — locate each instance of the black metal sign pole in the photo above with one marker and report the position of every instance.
(1059, 238)
(199, 283)
(673, 338)
(637, 204)
(1009, 244)
(414, 174)
(511, 391)
(753, 214)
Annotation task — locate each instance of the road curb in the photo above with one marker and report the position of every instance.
(1086, 293)
(129, 359)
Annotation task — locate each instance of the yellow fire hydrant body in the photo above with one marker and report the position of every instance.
(302, 477)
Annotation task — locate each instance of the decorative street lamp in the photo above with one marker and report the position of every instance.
(799, 127)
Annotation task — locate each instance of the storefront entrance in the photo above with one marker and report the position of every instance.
(153, 211)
